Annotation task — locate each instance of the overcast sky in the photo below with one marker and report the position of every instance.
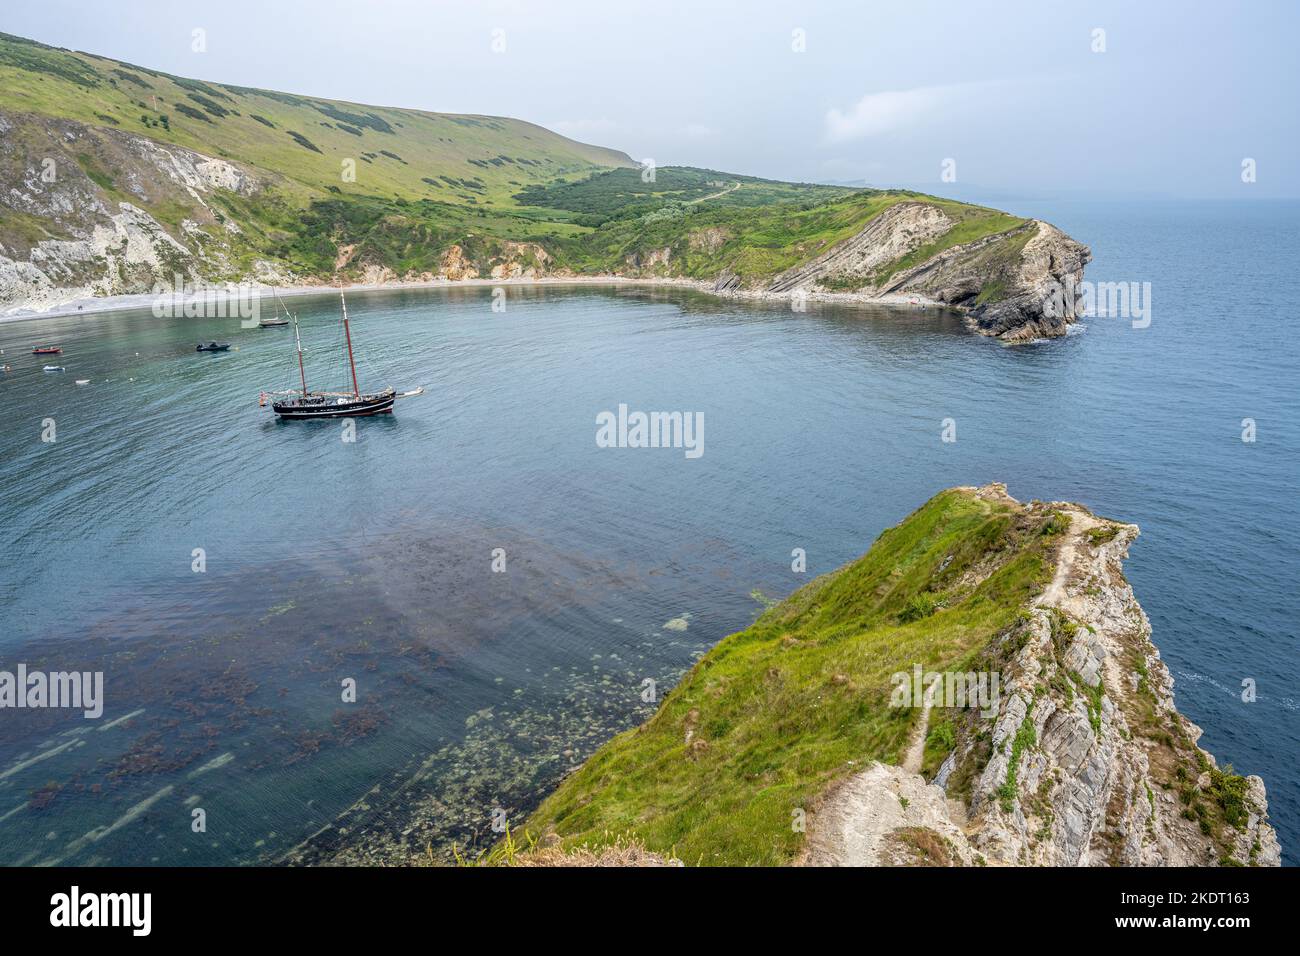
(883, 92)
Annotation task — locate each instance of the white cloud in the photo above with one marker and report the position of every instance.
(886, 112)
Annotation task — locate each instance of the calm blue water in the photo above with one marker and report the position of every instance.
(371, 560)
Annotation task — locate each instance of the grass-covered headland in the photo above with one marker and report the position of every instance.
(787, 742)
(773, 715)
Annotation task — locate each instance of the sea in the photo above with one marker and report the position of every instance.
(378, 640)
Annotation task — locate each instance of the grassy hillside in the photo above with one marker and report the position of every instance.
(774, 714)
(759, 229)
(343, 189)
(399, 153)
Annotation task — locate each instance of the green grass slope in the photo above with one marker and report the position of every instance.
(774, 714)
(756, 229)
(428, 188)
(399, 153)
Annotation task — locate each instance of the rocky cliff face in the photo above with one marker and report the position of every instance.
(1048, 261)
(82, 207)
(895, 233)
(89, 211)
(1086, 763)
(1003, 282)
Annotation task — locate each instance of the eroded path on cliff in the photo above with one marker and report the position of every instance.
(863, 819)
(915, 754)
(870, 819)
(1056, 594)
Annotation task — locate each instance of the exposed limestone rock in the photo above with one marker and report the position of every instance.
(506, 260)
(71, 177)
(455, 265)
(1005, 282)
(375, 274)
(346, 252)
(897, 231)
(195, 172)
(708, 240)
(727, 281)
(520, 260)
(648, 262)
(1111, 779)
(1048, 260)
(125, 253)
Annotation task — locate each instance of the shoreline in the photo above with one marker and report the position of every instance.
(96, 305)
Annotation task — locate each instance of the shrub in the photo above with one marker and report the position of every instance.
(921, 606)
(1102, 535)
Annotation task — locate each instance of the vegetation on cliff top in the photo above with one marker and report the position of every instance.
(774, 714)
(757, 734)
(423, 182)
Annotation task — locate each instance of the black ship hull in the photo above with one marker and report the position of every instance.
(329, 406)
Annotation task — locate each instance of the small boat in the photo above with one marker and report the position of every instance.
(54, 368)
(213, 347)
(83, 381)
(46, 349)
(302, 404)
(278, 319)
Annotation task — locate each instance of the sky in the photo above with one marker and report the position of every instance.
(1010, 99)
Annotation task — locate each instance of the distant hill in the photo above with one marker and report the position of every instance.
(302, 139)
(116, 177)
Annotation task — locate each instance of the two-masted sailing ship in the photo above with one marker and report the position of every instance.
(303, 403)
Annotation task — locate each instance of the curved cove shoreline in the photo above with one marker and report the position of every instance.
(234, 292)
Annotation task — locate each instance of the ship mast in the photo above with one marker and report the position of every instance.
(302, 372)
(356, 392)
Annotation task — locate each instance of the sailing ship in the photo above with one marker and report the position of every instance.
(303, 403)
(276, 320)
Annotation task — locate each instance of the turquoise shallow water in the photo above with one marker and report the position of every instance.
(371, 560)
